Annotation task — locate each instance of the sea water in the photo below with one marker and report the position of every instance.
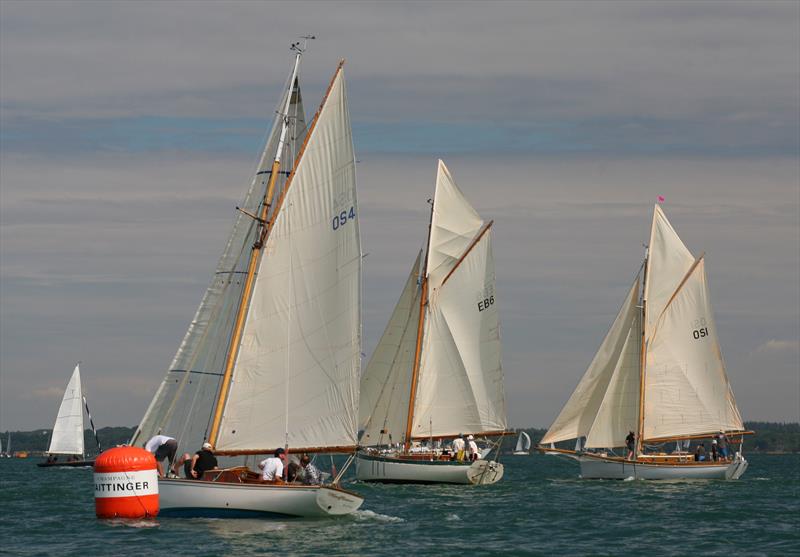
(539, 508)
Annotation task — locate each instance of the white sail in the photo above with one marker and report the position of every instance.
(619, 411)
(386, 383)
(460, 386)
(523, 442)
(686, 388)
(581, 410)
(453, 227)
(184, 402)
(295, 379)
(68, 430)
(668, 261)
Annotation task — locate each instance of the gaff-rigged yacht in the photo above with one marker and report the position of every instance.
(66, 443)
(272, 357)
(658, 374)
(436, 371)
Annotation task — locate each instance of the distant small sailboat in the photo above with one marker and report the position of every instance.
(523, 444)
(657, 378)
(436, 372)
(67, 438)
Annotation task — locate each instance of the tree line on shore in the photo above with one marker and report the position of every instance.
(770, 437)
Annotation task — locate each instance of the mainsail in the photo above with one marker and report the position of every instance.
(686, 390)
(295, 381)
(67, 435)
(181, 406)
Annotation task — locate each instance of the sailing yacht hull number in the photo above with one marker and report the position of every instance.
(342, 218)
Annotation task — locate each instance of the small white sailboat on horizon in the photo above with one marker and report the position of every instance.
(657, 378)
(436, 372)
(272, 357)
(66, 439)
(523, 447)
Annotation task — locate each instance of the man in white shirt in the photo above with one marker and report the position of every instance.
(458, 447)
(474, 453)
(162, 447)
(272, 467)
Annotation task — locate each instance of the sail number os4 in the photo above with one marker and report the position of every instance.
(342, 218)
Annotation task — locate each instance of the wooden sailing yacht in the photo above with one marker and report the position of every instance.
(272, 357)
(658, 374)
(436, 371)
(66, 442)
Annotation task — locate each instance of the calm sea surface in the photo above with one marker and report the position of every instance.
(539, 508)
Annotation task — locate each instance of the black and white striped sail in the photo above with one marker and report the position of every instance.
(295, 379)
(67, 435)
(184, 402)
(686, 389)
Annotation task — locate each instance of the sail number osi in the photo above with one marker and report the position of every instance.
(700, 330)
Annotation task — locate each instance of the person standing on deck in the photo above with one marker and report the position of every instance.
(458, 447)
(163, 447)
(474, 453)
(630, 443)
(722, 445)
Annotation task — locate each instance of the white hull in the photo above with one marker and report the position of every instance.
(388, 469)
(216, 499)
(521, 453)
(593, 467)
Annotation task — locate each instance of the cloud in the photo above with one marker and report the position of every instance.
(43, 393)
(774, 345)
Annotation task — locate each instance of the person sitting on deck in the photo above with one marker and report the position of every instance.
(630, 443)
(700, 452)
(272, 467)
(458, 447)
(162, 447)
(311, 474)
(203, 460)
(292, 471)
(474, 452)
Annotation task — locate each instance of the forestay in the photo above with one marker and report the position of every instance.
(686, 388)
(67, 435)
(461, 379)
(184, 402)
(386, 383)
(295, 379)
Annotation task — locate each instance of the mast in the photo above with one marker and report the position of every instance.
(256, 250)
(642, 355)
(423, 301)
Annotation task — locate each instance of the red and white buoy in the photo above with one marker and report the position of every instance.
(125, 483)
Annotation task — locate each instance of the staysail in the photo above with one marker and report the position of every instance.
(386, 383)
(295, 379)
(67, 435)
(181, 406)
(607, 386)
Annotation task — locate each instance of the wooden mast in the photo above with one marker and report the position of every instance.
(423, 300)
(255, 253)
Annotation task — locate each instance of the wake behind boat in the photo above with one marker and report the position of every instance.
(657, 379)
(66, 442)
(436, 371)
(272, 358)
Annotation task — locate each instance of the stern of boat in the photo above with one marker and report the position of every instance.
(485, 472)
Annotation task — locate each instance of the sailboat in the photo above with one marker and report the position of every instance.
(273, 355)
(523, 444)
(436, 371)
(66, 441)
(658, 378)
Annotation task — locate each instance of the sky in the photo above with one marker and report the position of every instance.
(129, 130)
